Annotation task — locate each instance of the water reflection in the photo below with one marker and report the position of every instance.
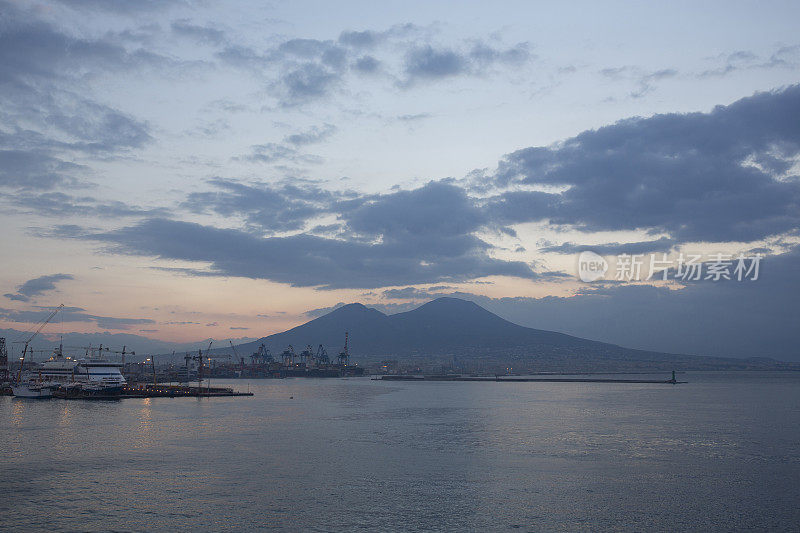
(356, 454)
(18, 410)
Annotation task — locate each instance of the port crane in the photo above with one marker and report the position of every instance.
(90, 350)
(322, 355)
(27, 342)
(261, 356)
(3, 359)
(344, 355)
(288, 356)
(123, 353)
(200, 358)
(236, 355)
(200, 366)
(307, 355)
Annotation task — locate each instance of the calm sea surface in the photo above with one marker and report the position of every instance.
(721, 452)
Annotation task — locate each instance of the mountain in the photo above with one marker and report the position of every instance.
(448, 328)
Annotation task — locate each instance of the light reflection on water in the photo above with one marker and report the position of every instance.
(722, 451)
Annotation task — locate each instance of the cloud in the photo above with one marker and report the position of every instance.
(34, 169)
(74, 314)
(361, 39)
(371, 38)
(270, 208)
(37, 286)
(645, 81)
(201, 34)
(416, 293)
(58, 204)
(47, 119)
(119, 323)
(785, 57)
(314, 313)
(310, 70)
(427, 62)
(719, 176)
(663, 244)
(713, 177)
(307, 82)
(124, 7)
(275, 152)
(419, 236)
(438, 217)
(414, 117)
(311, 136)
(34, 50)
(306, 260)
(726, 318)
(367, 64)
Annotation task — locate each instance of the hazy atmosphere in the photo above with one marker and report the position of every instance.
(174, 171)
(399, 266)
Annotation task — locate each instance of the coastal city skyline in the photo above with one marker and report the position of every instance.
(182, 172)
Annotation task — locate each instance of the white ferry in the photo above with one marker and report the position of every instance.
(94, 373)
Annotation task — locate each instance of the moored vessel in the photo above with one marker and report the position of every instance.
(32, 390)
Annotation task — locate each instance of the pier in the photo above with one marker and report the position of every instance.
(178, 391)
(523, 379)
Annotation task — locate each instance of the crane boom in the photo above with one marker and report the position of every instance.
(235, 353)
(27, 342)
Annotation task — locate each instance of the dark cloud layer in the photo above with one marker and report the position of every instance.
(74, 314)
(663, 244)
(726, 318)
(721, 318)
(37, 286)
(307, 260)
(404, 237)
(267, 208)
(718, 176)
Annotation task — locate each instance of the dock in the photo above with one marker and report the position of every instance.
(520, 379)
(178, 391)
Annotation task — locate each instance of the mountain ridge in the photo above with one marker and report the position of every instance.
(448, 328)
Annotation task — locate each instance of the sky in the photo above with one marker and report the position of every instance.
(188, 170)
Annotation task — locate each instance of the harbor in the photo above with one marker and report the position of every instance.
(96, 377)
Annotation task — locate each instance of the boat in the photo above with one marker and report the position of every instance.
(32, 389)
(81, 377)
(90, 373)
(86, 391)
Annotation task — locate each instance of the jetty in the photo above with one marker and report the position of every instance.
(177, 391)
(523, 379)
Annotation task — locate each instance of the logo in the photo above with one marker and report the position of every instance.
(591, 266)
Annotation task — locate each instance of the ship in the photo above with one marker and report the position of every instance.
(88, 377)
(32, 389)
